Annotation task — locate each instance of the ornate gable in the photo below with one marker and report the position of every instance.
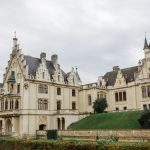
(120, 79)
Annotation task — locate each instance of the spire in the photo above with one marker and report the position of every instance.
(145, 43)
(15, 40)
(77, 75)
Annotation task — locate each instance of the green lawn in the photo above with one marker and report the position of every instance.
(113, 120)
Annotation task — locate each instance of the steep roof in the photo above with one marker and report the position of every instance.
(128, 73)
(33, 64)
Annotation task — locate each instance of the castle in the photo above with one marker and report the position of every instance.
(38, 95)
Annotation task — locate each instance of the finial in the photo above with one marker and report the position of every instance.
(15, 34)
(145, 34)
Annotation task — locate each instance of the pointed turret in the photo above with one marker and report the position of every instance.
(145, 44)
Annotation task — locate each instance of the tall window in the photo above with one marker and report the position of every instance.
(58, 91)
(43, 75)
(73, 92)
(148, 91)
(74, 105)
(16, 104)
(143, 91)
(42, 104)
(124, 96)
(6, 104)
(120, 96)
(89, 100)
(43, 89)
(116, 97)
(11, 104)
(58, 105)
(2, 105)
(18, 88)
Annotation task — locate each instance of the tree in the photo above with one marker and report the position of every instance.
(144, 120)
(100, 105)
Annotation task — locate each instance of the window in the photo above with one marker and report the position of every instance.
(124, 96)
(6, 105)
(116, 97)
(145, 107)
(120, 96)
(117, 109)
(149, 106)
(42, 104)
(143, 91)
(89, 100)
(11, 104)
(125, 108)
(18, 88)
(58, 91)
(43, 89)
(73, 105)
(73, 92)
(16, 104)
(58, 105)
(148, 91)
(2, 105)
(43, 75)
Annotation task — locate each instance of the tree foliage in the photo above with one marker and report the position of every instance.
(144, 120)
(100, 105)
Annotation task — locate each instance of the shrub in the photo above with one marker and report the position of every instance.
(52, 134)
(144, 120)
(100, 105)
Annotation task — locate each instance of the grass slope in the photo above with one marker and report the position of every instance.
(113, 120)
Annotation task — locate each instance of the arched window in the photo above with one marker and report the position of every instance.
(89, 100)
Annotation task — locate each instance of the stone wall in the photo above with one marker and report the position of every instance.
(121, 135)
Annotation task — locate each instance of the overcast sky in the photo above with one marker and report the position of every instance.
(94, 35)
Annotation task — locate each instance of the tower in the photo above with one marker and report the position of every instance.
(146, 49)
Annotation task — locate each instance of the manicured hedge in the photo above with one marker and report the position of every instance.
(52, 134)
(12, 144)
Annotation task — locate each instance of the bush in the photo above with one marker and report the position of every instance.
(100, 105)
(67, 145)
(52, 134)
(144, 120)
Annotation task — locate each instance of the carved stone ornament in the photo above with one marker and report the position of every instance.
(26, 85)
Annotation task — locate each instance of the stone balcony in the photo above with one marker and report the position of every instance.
(10, 113)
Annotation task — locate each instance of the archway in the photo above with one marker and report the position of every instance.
(63, 123)
(42, 127)
(58, 124)
(8, 126)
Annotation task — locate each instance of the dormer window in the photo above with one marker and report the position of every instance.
(11, 78)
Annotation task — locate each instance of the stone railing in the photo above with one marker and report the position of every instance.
(41, 134)
(121, 135)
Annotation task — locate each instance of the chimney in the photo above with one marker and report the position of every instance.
(116, 68)
(54, 59)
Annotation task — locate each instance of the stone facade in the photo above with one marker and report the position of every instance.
(38, 95)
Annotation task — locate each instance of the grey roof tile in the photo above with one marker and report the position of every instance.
(128, 73)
